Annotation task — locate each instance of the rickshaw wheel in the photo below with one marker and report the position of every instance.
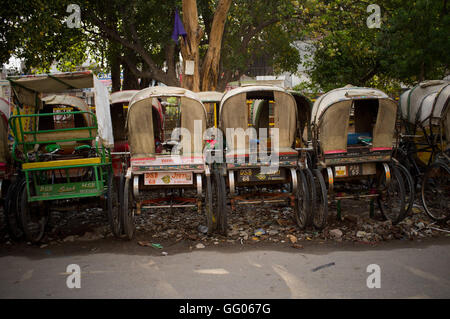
(320, 205)
(112, 206)
(211, 220)
(409, 187)
(33, 216)
(121, 199)
(312, 193)
(302, 208)
(436, 191)
(392, 200)
(221, 204)
(11, 207)
(127, 210)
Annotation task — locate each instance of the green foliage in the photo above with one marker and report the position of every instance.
(257, 28)
(411, 45)
(36, 32)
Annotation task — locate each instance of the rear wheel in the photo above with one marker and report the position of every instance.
(312, 193)
(320, 204)
(128, 210)
(211, 217)
(436, 191)
(221, 202)
(392, 197)
(302, 208)
(11, 207)
(33, 216)
(121, 199)
(112, 205)
(409, 187)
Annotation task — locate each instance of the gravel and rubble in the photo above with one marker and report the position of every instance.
(247, 226)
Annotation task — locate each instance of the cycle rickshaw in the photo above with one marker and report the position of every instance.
(353, 134)
(7, 176)
(424, 147)
(119, 106)
(60, 147)
(261, 164)
(169, 172)
(5, 170)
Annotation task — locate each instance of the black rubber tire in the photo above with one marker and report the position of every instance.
(386, 198)
(127, 211)
(11, 207)
(33, 216)
(112, 206)
(121, 199)
(312, 193)
(409, 187)
(439, 189)
(320, 205)
(221, 204)
(302, 209)
(211, 217)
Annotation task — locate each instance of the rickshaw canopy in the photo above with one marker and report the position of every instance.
(139, 123)
(27, 91)
(429, 99)
(331, 115)
(210, 96)
(122, 96)
(69, 100)
(5, 112)
(234, 112)
(5, 109)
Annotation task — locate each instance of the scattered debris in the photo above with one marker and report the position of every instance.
(292, 238)
(247, 225)
(443, 230)
(323, 266)
(361, 234)
(336, 233)
(69, 239)
(259, 232)
(199, 246)
(202, 229)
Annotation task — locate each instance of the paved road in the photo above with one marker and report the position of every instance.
(408, 270)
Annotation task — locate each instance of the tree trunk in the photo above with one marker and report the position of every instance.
(422, 72)
(190, 47)
(210, 67)
(115, 73)
(130, 80)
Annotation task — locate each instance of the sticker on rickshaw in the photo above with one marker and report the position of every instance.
(254, 175)
(166, 160)
(168, 178)
(340, 171)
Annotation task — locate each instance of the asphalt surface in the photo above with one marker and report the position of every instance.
(126, 270)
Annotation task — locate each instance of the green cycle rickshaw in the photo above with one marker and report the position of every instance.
(61, 148)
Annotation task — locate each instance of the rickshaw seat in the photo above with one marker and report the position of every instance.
(50, 137)
(62, 163)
